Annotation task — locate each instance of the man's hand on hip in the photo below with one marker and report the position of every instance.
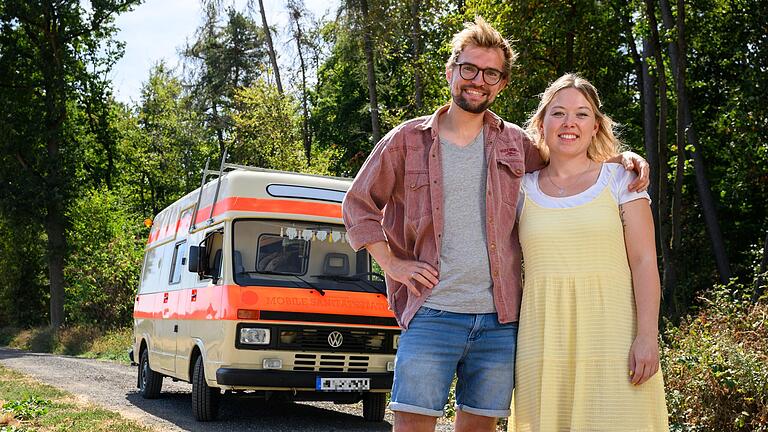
(407, 272)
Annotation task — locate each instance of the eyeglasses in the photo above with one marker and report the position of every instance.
(468, 71)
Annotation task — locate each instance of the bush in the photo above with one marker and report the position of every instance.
(102, 270)
(714, 364)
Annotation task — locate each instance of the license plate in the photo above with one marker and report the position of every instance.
(343, 384)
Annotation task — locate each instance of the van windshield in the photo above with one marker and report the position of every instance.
(292, 253)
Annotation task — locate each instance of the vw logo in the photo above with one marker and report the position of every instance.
(335, 339)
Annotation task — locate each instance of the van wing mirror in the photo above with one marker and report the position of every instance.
(198, 261)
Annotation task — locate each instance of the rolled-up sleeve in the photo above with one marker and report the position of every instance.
(371, 191)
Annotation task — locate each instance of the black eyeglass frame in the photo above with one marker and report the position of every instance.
(478, 70)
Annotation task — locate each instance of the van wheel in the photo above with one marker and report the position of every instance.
(150, 382)
(373, 406)
(205, 399)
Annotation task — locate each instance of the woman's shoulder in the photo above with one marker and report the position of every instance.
(620, 178)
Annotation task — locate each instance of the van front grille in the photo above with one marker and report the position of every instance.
(330, 363)
(330, 339)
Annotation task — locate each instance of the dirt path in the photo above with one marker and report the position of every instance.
(113, 386)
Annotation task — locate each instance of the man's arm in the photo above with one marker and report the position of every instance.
(634, 162)
(362, 211)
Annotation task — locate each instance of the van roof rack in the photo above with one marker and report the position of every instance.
(225, 167)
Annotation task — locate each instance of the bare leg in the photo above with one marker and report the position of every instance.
(466, 422)
(409, 422)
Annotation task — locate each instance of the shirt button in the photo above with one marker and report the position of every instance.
(495, 273)
(518, 171)
(490, 220)
(493, 246)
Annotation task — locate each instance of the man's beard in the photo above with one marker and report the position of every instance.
(467, 106)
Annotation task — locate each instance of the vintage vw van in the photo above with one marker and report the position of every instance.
(249, 285)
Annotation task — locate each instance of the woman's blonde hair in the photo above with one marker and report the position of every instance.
(483, 35)
(604, 145)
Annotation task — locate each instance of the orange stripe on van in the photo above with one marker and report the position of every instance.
(268, 205)
(260, 205)
(221, 302)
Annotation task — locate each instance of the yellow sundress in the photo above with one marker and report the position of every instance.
(577, 324)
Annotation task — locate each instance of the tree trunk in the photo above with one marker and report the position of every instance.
(369, 61)
(760, 280)
(662, 210)
(677, 57)
(271, 48)
(305, 132)
(570, 37)
(650, 127)
(52, 52)
(418, 87)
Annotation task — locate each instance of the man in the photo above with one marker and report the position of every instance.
(435, 205)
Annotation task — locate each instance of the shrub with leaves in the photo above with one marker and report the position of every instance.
(716, 364)
(102, 270)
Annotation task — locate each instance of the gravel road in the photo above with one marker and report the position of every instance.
(113, 386)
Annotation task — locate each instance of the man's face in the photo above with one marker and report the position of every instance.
(475, 95)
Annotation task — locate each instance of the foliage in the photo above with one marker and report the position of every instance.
(23, 279)
(714, 364)
(105, 257)
(162, 144)
(51, 409)
(28, 408)
(227, 54)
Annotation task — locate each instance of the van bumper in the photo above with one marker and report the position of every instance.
(294, 379)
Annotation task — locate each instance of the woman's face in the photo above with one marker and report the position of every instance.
(569, 123)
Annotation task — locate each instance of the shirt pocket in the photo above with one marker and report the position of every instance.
(510, 174)
(418, 203)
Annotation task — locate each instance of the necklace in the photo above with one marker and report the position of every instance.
(561, 190)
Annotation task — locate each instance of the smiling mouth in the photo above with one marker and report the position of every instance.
(568, 136)
(474, 92)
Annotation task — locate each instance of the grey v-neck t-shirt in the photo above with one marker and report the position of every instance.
(465, 284)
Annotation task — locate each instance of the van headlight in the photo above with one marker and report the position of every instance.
(255, 336)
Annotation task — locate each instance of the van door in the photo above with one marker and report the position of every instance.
(169, 324)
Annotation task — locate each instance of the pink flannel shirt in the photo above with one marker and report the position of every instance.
(398, 193)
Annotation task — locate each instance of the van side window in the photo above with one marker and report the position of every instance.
(178, 262)
(280, 255)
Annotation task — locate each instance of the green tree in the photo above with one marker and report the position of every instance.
(268, 132)
(226, 56)
(163, 144)
(52, 56)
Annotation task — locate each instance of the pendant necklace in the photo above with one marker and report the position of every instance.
(561, 190)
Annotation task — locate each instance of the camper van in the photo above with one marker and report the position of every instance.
(250, 286)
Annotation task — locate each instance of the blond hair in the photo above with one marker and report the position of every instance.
(606, 142)
(483, 35)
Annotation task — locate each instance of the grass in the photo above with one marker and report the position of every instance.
(29, 406)
(78, 341)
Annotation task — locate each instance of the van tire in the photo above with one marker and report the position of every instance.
(150, 382)
(205, 399)
(374, 405)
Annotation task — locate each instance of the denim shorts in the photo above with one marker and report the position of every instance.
(438, 345)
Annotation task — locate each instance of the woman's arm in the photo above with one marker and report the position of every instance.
(639, 239)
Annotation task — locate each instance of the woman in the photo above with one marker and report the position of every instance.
(587, 355)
